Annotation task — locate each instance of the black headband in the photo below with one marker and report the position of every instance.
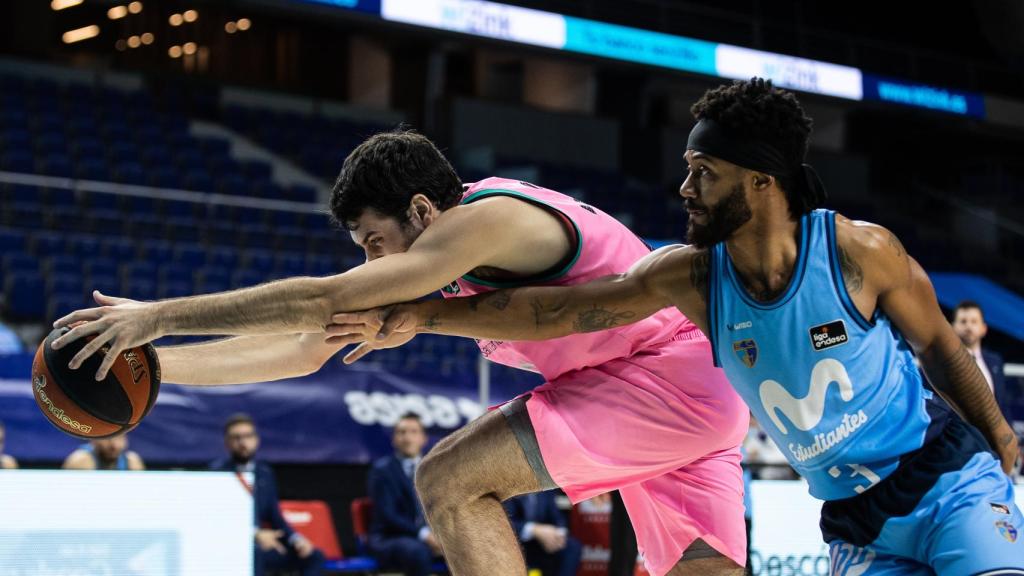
(715, 140)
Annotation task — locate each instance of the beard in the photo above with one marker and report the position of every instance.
(723, 219)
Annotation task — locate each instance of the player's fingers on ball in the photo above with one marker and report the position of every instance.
(79, 316)
(89, 349)
(108, 362)
(79, 330)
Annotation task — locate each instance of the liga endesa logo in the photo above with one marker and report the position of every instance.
(39, 383)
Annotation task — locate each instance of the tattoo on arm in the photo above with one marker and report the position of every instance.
(432, 323)
(597, 319)
(959, 377)
(853, 274)
(895, 243)
(499, 300)
(699, 274)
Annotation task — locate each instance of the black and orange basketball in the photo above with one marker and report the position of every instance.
(75, 402)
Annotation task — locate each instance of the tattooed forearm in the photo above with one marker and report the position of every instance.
(956, 376)
(431, 324)
(699, 274)
(597, 319)
(853, 274)
(499, 300)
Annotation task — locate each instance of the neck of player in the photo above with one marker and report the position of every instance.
(764, 250)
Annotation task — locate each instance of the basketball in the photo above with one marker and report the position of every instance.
(76, 403)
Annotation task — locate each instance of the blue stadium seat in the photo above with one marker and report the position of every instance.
(290, 265)
(118, 250)
(92, 169)
(100, 267)
(60, 305)
(105, 222)
(156, 251)
(174, 290)
(163, 176)
(25, 296)
(63, 264)
(130, 173)
(55, 166)
(300, 193)
(191, 255)
(173, 273)
(213, 280)
(83, 245)
(135, 205)
(25, 194)
(262, 260)
(61, 197)
(12, 240)
(20, 262)
(180, 209)
(109, 285)
(139, 289)
(17, 160)
(247, 277)
(321, 266)
(182, 229)
(223, 258)
(65, 284)
(101, 200)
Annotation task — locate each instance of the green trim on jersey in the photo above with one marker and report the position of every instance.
(547, 277)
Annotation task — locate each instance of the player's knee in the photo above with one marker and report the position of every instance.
(433, 484)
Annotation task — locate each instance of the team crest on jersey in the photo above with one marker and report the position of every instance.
(746, 351)
(828, 335)
(452, 288)
(1007, 530)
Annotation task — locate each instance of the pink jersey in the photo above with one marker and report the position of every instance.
(603, 247)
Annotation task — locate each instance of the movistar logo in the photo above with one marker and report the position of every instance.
(805, 413)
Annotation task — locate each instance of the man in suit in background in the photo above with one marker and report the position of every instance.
(969, 324)
(399, 536)
(278, 547)
(541, 528)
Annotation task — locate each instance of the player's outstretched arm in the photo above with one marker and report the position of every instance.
(906, 296)
(659, 280)
(245, 359)
(458, 241)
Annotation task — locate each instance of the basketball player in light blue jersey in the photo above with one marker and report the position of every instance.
(816, 320)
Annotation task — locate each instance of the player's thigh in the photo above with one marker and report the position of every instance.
(482, 458)
(984, 534)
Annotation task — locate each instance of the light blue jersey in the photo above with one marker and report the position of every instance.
(910, 489)
(840, 394)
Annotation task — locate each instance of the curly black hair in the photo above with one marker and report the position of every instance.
(386, 171)
(756, 109)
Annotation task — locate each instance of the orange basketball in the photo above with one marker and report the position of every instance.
(75, 402)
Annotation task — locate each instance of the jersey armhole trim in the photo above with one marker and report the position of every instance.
(712, 305)
(837, 274)
(559, 270)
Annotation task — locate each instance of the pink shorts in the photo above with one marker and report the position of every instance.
(663, 427)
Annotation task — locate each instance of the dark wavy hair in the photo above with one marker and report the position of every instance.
(386, 171)
(756, 109)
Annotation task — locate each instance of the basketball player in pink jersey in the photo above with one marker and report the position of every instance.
(639, 408)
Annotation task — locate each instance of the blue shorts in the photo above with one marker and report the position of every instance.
(948, 510)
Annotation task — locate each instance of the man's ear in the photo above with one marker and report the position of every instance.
(422, 209)
(762, 181)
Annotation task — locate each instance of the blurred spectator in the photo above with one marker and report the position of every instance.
(278, 546)
(6, 462)
(9, 341)
(969, 325)
(399, 536)
(765, 459)
(541, 528)
(104, 454)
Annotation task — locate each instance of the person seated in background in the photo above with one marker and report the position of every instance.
(399, 537)
(540, 527)
(104, 454)
(278, 546)
(7, 462)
